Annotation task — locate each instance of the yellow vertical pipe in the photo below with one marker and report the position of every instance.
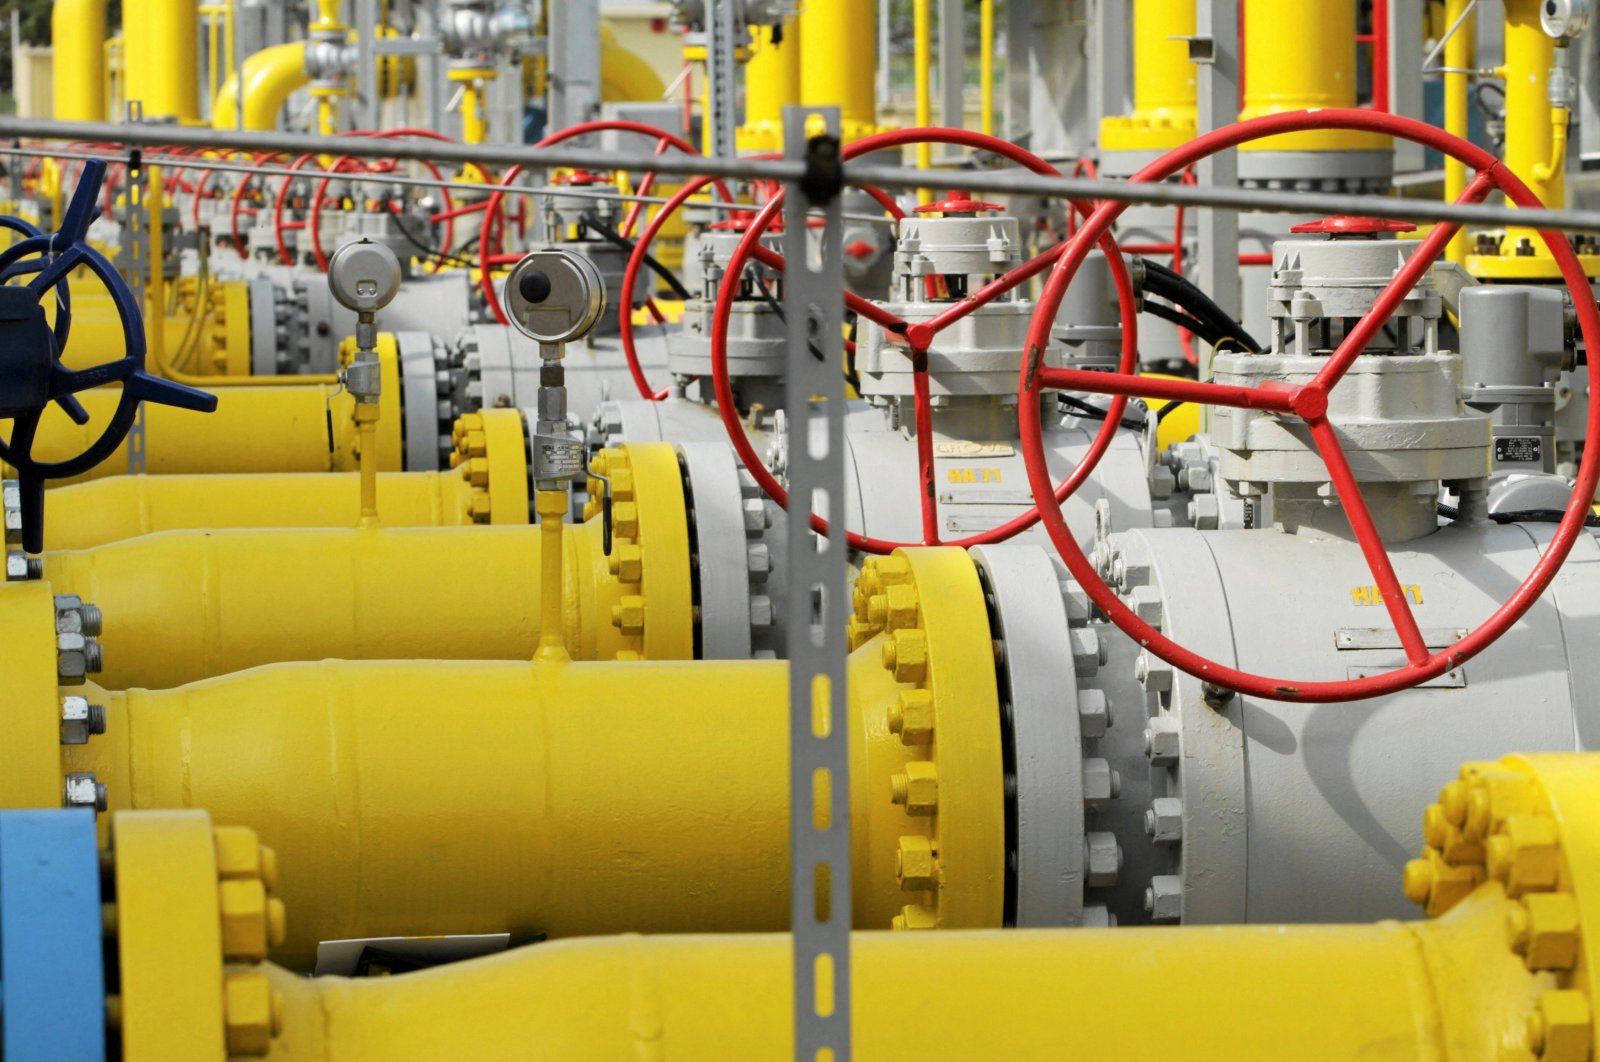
(170, 56)
(839, 69)
(1165, 89)
(78, 33)
(922, 62)
(135, 20)
(367, 427)
(152, 210)
(1302, 57)
(1459, 54)
(986, 63)
(771, 80)
(1529, 136)
(474, 125)
(552, 509)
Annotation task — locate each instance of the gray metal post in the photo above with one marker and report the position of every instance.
(819, 763)
(574, 62)
(366, 22)
(236, 15)
(1405, 80)
(1110, 62)
(723, 73)
(1216, 51)
(1018, 74)
(952, 66)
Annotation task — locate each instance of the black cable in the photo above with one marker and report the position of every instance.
(1523, 516)
(1177, 317)
(612, 236)
(772, 302)
(1182, 292)
(431, 252)
(851, 376)
(1093, 412)
(1170, 407)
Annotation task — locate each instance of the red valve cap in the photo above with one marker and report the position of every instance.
(1354, 225)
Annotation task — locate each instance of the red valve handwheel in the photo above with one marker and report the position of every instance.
(919, 337)
(1309, 402)
(494, 214)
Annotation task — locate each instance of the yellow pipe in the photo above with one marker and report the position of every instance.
(771, 81)
(279, 428)
(573, 798)
(366, 419)
(1303, 57)
(922, 65)
(171, 60)
(625, 75)
(1530, 52)
(1501, 973)
(838, 68)
(78, 33)
(135, 20)
(189, 605)
(1460, 53)
(1165, 89)
(81, 515)
(552, 509)
(151, 211)
(986, 64)
(271, 76)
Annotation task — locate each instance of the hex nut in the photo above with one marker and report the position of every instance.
(1163, 899)
(80, 720)
(911, 716)
(83, 790)
(1102, 859)
(1094, 713)
(1163, 820)
(1163, 740)
(1146, 602)
(1087, 651)
(906, 654)
(917, 788)
(916, 916)
(761, 611)
(1100, 782)
(243, 904)
(1153, 674)
(915, 866)
(254, 1013)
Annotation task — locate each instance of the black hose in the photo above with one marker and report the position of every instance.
(1090, 411)
(612, 236)
(1523, 516)
(1179, 318)
(1181, 291)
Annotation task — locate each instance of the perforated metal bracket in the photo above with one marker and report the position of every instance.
(818, 604)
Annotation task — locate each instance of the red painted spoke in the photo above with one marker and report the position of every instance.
(1108, 383)
(1355, 507)
(921, 335)
(1399, 288)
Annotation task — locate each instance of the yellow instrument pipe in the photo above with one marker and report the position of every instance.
(1529, 131)
(1459, 54)
(552, 508)
(271, 76)
(81, 515)
(1303, 57)
(1165, 89)
(366, 418)
(78, 34)
(567, 798)
(838, 68)
(171, 60)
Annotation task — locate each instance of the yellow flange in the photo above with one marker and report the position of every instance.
(492, 457)
(29, 734)
(1528, 825)
(189, 899)
(925, 608)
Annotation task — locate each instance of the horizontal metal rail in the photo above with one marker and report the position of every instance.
(1002, 182)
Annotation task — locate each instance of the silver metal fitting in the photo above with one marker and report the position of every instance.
(80, 720)
(78, 654)
(83, 790)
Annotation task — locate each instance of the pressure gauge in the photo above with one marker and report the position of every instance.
(555, 296)
(1564, 18)
(364, 276)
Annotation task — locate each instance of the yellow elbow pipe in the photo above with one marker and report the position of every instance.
(78, 34)
(624, 74)
(271, 76)
(570, 798)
